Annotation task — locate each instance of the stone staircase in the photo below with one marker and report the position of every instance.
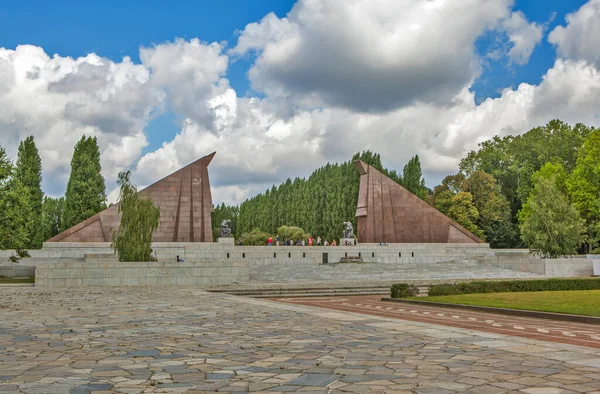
(453, 270)
(307, 291)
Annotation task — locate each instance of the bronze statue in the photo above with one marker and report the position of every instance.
(225, 230)
(348, 230)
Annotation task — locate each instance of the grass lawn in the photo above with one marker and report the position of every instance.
(578, 302)
(5, 280)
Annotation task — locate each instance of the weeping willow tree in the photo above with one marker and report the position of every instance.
(139, 219)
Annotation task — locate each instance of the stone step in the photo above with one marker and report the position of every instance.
(326, 294)
(296, 291)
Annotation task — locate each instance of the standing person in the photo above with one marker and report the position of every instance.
(319, 241)
(309, 241)
(355, 241)
(303, 243)
(270, 241)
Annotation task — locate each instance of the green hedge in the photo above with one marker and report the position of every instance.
(403, 290)
(513, 286)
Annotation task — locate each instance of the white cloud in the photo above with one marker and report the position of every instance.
(369, 55)
(337, 80)
(190, 72)
(58, 99)
(580, 38)
(523, 36)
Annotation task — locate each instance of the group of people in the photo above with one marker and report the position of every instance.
(311, 242)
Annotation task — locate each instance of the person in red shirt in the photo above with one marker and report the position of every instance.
(270, 241)
(309, 241)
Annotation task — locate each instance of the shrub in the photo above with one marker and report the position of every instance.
(254, 238)
(292, 232)
(557, 284)
(403, 290)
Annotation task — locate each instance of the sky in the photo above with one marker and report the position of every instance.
(279, 88)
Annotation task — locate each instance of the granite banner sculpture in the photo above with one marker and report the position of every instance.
(389, 213)
(185, 203)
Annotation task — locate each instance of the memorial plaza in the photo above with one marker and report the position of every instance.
(185, 340)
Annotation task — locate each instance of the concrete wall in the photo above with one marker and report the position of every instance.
(201, 274)
(16, 271)
(576, 266)
(256, 257)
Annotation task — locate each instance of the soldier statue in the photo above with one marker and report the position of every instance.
(225, 230)
(348, 230)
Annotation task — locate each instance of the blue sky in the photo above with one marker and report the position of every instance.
(115, 29)
(317, 98)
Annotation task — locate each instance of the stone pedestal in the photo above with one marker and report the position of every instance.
(343, 239)
(226, 241)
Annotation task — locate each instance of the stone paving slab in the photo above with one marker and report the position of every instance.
(563, 331)
(183, 340)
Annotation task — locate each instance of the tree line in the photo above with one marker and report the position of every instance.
(539, 190)
(27, 216)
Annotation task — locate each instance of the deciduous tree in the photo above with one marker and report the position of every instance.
(139, 220)
(550, 225)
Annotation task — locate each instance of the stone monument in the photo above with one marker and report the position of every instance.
(185, 203)
(389, 213)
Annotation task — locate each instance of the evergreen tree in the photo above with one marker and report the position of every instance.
(412, 178)
(139, 220)
(28, 172)
(86, 192)
(550, 225)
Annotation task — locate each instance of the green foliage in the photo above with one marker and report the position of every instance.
(412, 178)
(403, 290)
(16, 217)
(86, 192)
(254, 238)
(557, 284)
(28, 172)
(464, 212)
(319, 204)
(584, 186)
(139, 220)
(493, 208)
(51, 217)
(292, 233)
(550, 225)
(487, 214)
(512, 160)
(221, 213)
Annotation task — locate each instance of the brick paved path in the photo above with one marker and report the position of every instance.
(542, 329)
(183, 340)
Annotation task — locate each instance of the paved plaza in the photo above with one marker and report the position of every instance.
(134, 340)
(544, 329)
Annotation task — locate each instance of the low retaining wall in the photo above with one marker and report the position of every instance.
(566, 267)
(202, 274)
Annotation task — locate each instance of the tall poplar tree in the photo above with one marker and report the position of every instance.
(412, 178)
(28, 172)
(15, 212)
(86, 192)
